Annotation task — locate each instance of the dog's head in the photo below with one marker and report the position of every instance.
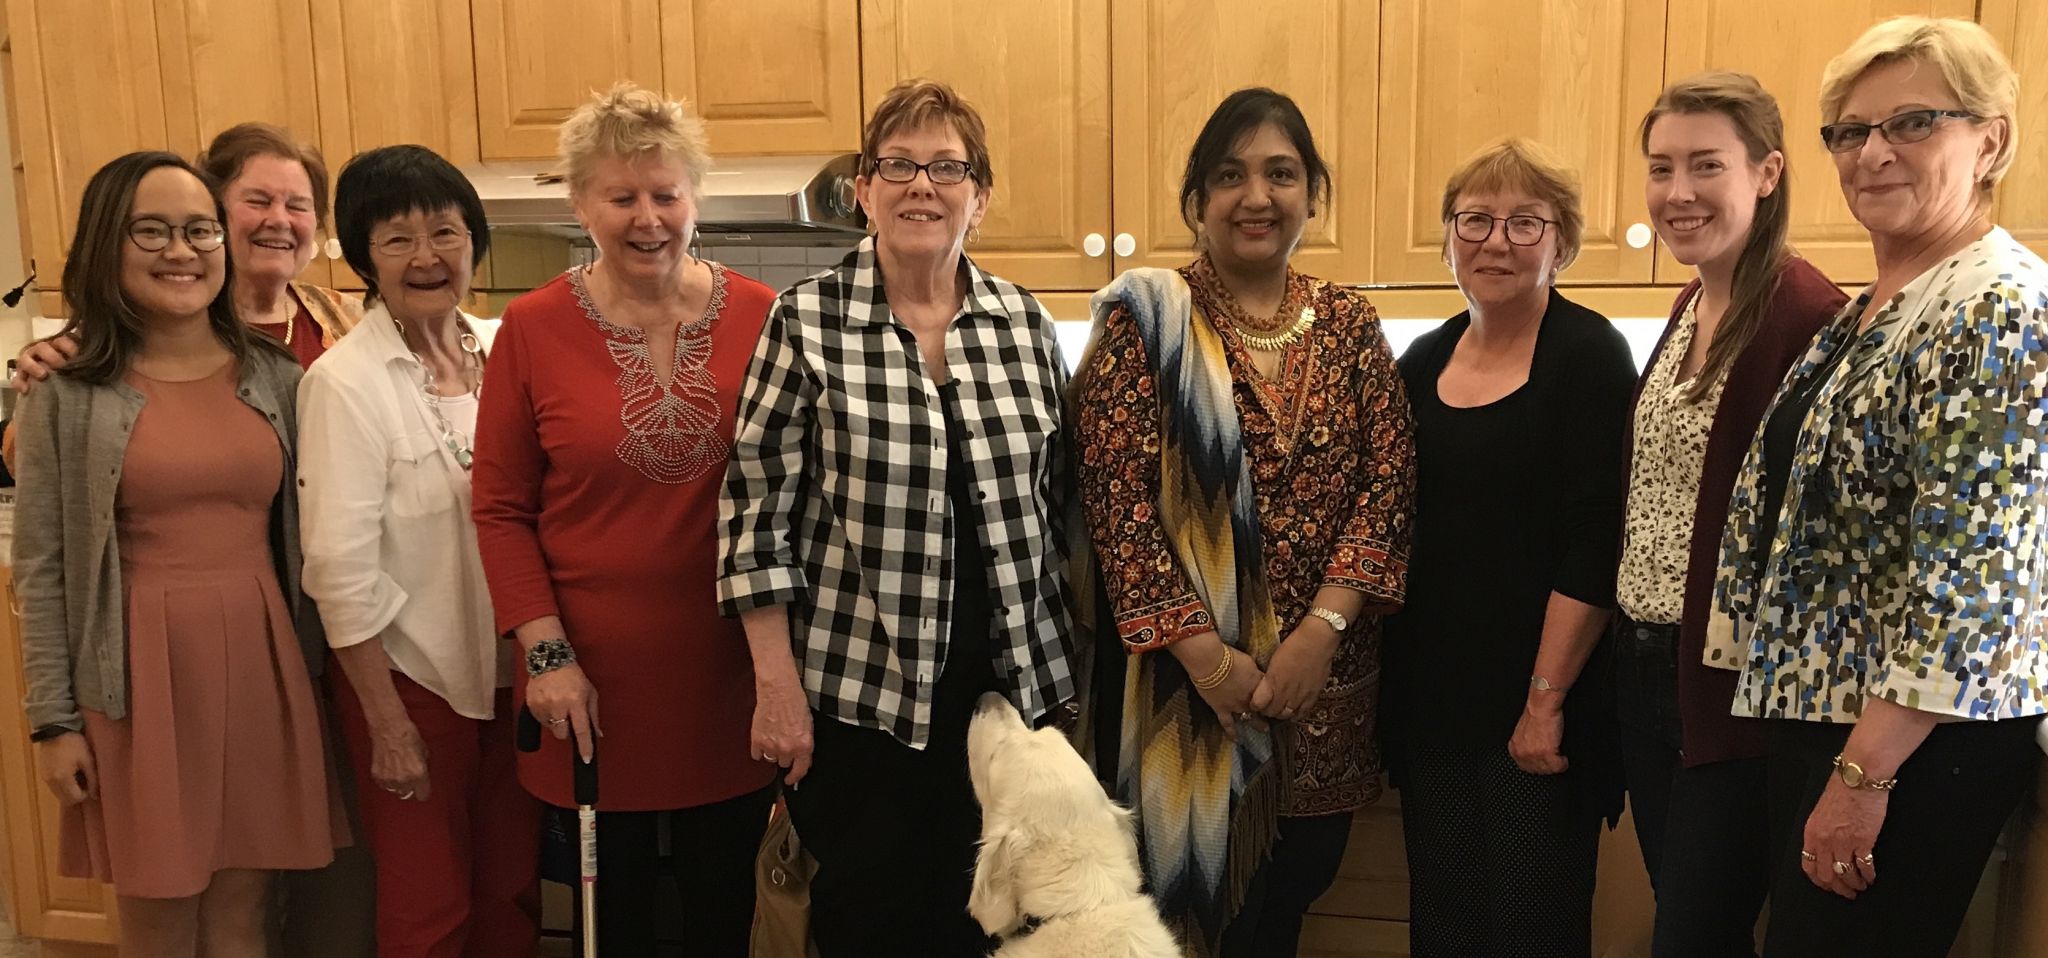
(1052, 841)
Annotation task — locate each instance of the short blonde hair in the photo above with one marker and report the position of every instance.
(1969, 60)
(916, 104)
(1521, 164)
(628, 120)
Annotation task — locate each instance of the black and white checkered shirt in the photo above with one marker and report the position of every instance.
(835, 500)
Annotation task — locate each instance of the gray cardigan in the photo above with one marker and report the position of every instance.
(72, 438)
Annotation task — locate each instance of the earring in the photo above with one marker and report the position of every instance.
(973, 235)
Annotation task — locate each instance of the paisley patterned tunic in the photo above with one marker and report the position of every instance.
(1910, 551)
(1333, 461)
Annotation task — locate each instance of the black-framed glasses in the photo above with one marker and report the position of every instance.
(1911, 126)
(903, 169)
(1522, 229)
(154, 235)
(445, 239)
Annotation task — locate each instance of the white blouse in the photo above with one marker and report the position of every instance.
(390, 551)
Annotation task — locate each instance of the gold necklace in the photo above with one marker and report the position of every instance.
(1275, 340)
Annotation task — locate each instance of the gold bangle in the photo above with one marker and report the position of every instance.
(1216, 678)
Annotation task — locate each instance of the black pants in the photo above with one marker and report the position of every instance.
(1303, 866)
(1500, 862)
(894, 831)
(712, 848)
(1954, 796)
(1704, 831)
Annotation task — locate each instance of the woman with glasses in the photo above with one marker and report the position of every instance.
(165, 643)
(893, 536)
(606, 423)
(387, 433)
(1499, 728)
(275, 191)
(1886, 547)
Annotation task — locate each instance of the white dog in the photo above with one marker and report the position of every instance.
(1055, 851)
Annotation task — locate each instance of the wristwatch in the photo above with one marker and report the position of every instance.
(548, 655)
(1541, 684)
(1854, 776)
(1336, 619)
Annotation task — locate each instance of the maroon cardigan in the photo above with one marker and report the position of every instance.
(1804, 302)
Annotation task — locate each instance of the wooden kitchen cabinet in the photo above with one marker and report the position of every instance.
(767, 76)
(86, 88)
(1039, 75)
(534, 65)
(395, 71)
(2021, 27)
(73, 916)
(1574, 75)
(1175, 60)
(1722, 35)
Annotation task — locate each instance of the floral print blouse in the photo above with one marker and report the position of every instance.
(1332, 453)
(1664, 480)
(1910, 552)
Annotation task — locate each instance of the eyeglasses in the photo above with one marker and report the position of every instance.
(1523, 229)
(1911, 126)
(902, 169)
(445, 239)
(154, 235)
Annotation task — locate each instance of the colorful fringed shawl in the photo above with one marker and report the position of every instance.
(1207, 805)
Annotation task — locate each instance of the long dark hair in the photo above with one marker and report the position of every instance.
(1754, 113)
(103, 323)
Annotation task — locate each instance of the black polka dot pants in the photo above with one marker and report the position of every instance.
(1500, 862)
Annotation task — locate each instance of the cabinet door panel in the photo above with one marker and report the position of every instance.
(1038, 73)
(86, 89)
(2021, 27)
(534, 66)
(1722, 35)
(768, 76)
(395, 71)
(1573, 75)
(1175, 60)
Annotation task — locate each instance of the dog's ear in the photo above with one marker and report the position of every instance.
(993, 899)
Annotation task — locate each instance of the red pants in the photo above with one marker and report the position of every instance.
(458, 875)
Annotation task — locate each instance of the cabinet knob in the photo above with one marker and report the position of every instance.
(1094, 245)
(1639, 235)
(1126, 244)
(333, 248)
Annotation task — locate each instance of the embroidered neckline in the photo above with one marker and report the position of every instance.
(673, 432)
(1284, 394)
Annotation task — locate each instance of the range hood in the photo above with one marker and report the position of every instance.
(788, 198)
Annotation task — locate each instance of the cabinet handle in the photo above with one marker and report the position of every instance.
(1093, 245)
(1126, 244)
(1639, 235)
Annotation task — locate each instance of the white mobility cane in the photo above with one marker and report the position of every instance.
(586, 820)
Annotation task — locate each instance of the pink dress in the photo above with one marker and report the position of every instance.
(220, 763)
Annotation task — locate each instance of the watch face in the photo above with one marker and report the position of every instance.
(1852, 776)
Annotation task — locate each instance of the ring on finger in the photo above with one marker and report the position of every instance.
(558, 722)
(1841, 868)
(1868, 860)
(1808, 856)
(405, 796)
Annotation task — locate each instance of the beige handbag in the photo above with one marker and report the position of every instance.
(782, 891)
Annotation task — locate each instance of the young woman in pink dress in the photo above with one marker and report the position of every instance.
(164, 639)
